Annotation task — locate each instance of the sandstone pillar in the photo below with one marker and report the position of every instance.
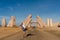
(4, 22)
(48, 22)
(39, 20)
(12, 22)
(51, 22)
(27, 20)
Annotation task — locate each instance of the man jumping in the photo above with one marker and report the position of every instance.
(23, 27)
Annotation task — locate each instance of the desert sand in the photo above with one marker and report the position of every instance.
(32, 34)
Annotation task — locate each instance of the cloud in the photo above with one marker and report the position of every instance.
(14, 7)
(7, 17)
(1, 9)
(18, 5)
(10, 8)
(1, 16)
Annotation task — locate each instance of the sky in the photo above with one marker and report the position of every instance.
(22, 8)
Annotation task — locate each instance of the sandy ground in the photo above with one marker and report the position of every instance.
(33, 34)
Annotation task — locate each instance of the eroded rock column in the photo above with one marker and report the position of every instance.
(27, 20)
(48, 22)
(51, 24)
(4, 22)
(12, 22)
(40, 22)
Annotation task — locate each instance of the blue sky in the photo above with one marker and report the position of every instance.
(21, 8)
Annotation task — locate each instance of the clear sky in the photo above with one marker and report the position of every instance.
(21, 8)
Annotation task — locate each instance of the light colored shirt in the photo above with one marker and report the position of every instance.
(24, 26)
